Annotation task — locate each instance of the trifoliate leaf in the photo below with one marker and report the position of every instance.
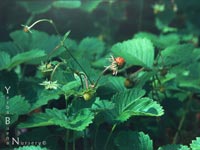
(135, 52)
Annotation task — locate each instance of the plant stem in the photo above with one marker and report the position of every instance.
(54, 70)
(67, 131)
(66, 48)
(109, 136)
(95, 136)
(85, 140)
(30, 19)
(182, 120)
(74, 142)
(66, 139)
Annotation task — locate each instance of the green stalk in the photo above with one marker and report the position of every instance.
(74, 142)
(182, 119)
(85, 141)
(95, 136)
(67, 131)
(109, 136)
(66, 48)
(66, 139)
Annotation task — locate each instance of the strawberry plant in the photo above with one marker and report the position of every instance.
(63, 92)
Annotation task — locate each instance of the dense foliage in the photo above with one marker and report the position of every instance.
(96, 91)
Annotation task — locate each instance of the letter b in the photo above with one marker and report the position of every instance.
(7, 120)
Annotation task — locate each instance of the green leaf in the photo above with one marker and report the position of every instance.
(36, 7)
(174, 147)
(116, 83)
(177, 54)
(78, 121)
(71, 85)
(44, 97)
(90, 5)
(130, 103)
(164, 27)
(161, 41)
(101, 105)
(10, 48)
(35, 40)
(195, 145)
(16, 105)
(91, 48)
(30, 148)
(136, 52)
(4, 60)
(66, 4)
(26, 56)
(129, 140)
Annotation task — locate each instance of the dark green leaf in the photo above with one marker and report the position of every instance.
(4, 60)
(128, 140)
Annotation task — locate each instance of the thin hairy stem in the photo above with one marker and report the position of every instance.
(109, 136)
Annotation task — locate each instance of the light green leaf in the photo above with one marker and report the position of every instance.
(130, 103)
(66, 4)
(129, 140)
(78, 121)
(174, 147)
(195, 145)
(136, 52)
(30, 148)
